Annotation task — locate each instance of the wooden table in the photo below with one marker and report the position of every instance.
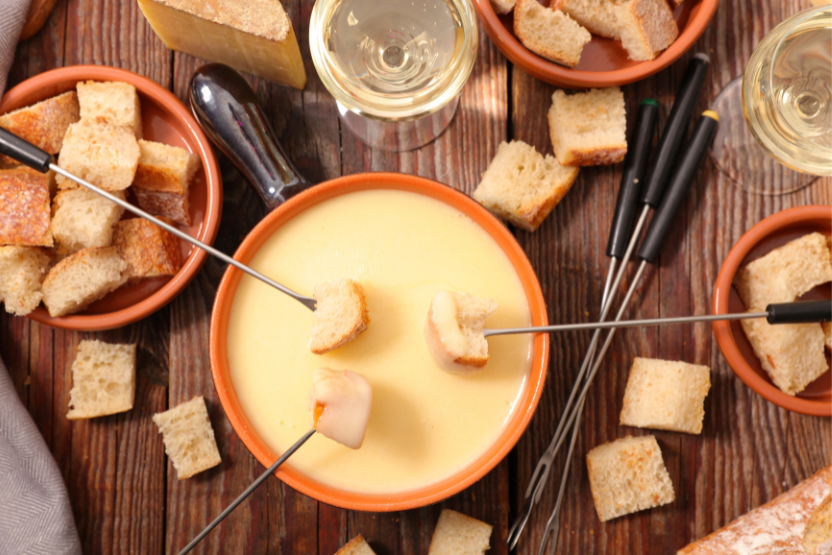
(125, 494)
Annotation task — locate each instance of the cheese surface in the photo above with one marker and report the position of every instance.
(425, 424)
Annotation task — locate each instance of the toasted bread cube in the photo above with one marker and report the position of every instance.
(666, 395)
(22, 270)
(83, 219)
(791, 354)
(189, 438)
(457, 534)
(103, 380)
(522, 186)
(103, 154)
(628, 475)
(43, 124)
(646, 27)
(827, 333)
(165, 168)
(149, 250)
(169, 205)
(454, 331)
(82, 278)
(588, 129)
(24, 208)
(596, 15)
(356, 546)
(786, 273)
(503, 6)
(549, 33)
(340, 315)
(340, 403)
(112, 102)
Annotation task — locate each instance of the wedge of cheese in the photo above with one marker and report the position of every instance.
(255, 36)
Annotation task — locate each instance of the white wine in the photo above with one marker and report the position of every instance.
(787, 92)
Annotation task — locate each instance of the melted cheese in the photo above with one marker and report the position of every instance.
(340, 405)
(425, 424)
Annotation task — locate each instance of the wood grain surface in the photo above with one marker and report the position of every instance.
(124, 493)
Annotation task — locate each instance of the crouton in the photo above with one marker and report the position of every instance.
(103, 380)
(148, 249)
(646, 27)
(112, 102)
(103, 154)
(454, 331)
(83, 219)
(24, 208)
(549, 33)
(43, 124)
(457, 534)
(82, 278)
(173, 206)
(588, 129)
(22, 270)
(189, 438)
(596, 15)
(340, 315)
(165, 168)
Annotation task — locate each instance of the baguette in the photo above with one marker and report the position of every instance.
(43, 124)
(24, 208)
(549, 33)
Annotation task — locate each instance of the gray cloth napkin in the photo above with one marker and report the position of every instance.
(12, 18)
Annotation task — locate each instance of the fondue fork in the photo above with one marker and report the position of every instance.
(26, 153)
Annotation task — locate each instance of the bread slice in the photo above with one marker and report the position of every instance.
(83, 219)
(666, 395)
(82, 278)
(189, 437)
(827, 333)
(165, 168)
(503, 6)
(24, 208)
(522, 186)
(457, 534)
(549, 33)
(103, 154)
(173, 206)
(103, 380)
(454, 331)
(22, 270)
(149, 250)
(819, 528)
(111, 102)
(786, 273)
(588, 129)
(791, 354)
(628, 475)
(646, 27)
(356, 546)
(43, 124)
(340, 315)
(596, 15)
(776, 528)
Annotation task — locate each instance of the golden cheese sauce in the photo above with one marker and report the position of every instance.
(425, 424)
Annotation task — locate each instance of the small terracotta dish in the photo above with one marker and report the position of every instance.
(772, 232)
(604, 62)
(464, 477)
(166, 120)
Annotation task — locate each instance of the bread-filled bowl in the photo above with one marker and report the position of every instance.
(431, 433)
(771, 233)
(603, 62)
(165, 120)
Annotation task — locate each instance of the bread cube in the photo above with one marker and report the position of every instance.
(189, 438)
(628, 475)
(24, 208)
(786, 273)
(791, 354)
(549, 33)
(112, 102)
(82, 278)
(646, 27)
(149, 250)
(173, 206)
(83, 219)
(103, 380)
(454, 331)
(340, 315)
(522, 186)
(666, 395)
(457, 534)
(103, 154)
(596, 15)
(827, 333)
(165, 168)
(340, 403)
(22, 270)
(43, 124)
(588, 129)
(356, 546)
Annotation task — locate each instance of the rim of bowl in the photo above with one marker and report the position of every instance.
(459, 480)
(213, 197)
(722, 290)
(558, 75)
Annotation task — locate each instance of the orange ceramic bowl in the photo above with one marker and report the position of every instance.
(767, 235)
(604, 62)
(465, 476)
(165, 120)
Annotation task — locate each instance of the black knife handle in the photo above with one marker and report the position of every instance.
(24, 152)
(800, 312)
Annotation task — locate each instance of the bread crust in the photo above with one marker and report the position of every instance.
(356, 330)
(25, 213)
(561, 56)
(149, 250)
(594, 157)
(170, 205)
(43, 124)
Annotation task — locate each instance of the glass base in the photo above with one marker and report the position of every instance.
(738, 155)
(399, 136)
